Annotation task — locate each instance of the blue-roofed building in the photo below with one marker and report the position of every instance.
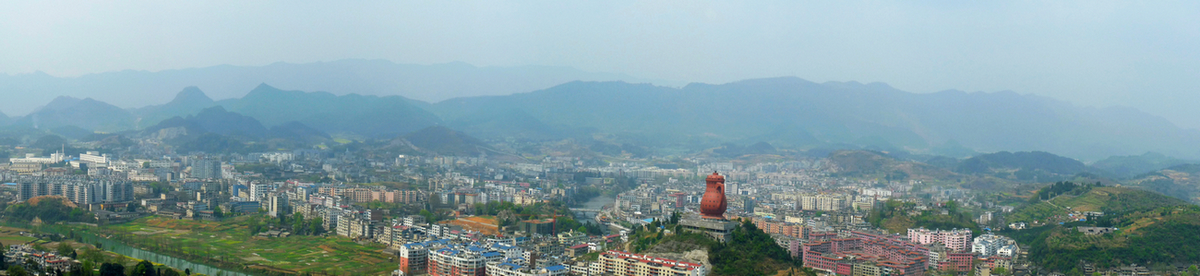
(510, 267)
(462, 259)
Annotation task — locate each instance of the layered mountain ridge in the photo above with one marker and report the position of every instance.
(784, 112)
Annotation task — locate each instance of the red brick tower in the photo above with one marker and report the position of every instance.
(712, 205)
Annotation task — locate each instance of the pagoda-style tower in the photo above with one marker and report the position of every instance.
(712, 205)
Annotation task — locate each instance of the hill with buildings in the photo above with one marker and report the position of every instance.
(1068, 201)
(898, 217)
(1105, 227)
(750, 251)
(1158, 237)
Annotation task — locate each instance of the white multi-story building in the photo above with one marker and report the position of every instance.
(93, 157)
(32, 158)
(989, 245)
(625, 263)
(957, 239)
(259, 191)
(822, 203)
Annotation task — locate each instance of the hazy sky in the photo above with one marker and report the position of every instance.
(1141, 54)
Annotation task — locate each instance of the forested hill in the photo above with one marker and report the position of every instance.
(1053, 203)
(1149, 227)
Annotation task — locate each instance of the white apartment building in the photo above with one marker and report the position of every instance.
(958, 240)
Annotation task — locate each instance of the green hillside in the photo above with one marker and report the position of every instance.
(1167, 235)
(898, 217)
(750, 251)
(1181, 181)
(1054, 203)
(1151, 228)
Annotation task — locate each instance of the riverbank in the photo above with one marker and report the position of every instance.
(85, 251)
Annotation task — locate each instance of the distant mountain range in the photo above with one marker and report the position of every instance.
(746, 117)
(792, 112)
(1133, 165)
(129, 89)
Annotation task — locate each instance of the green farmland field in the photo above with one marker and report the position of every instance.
(229, 244)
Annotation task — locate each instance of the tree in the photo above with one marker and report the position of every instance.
(1193, 271)
(187, 271)
(999, 271)
(88, 268)
(144, 268)
(298, 223)
(428, 216)
(65, 249)
(17, 270)
(316, 226)
(112, 269)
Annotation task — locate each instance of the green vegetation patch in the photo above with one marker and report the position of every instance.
(897, 217)
(230, 244)
(1161, 236)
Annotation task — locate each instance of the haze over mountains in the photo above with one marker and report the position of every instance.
(130, 89)
(782, 112)
(798, 113)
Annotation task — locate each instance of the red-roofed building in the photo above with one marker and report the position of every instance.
(577, 250)
(879, 253)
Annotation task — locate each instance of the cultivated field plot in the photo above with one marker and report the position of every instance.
(11, 236)
(230, 242)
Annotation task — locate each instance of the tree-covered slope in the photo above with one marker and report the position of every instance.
(1166, 235)
(897, 217)
(1054, 203)
(1181, 181)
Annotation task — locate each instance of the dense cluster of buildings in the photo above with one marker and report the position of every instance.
(47, 261)
(82, 190)
(956, 239)
(616, 262)
(860, 253)
(447, 257)
(814, 214)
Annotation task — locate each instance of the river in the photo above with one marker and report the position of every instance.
(596, 203)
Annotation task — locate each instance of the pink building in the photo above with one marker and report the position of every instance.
(957, 239)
